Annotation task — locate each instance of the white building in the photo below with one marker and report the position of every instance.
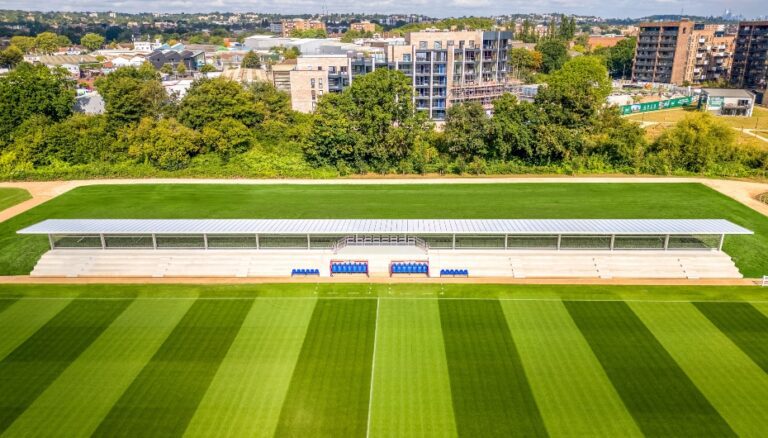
(727, 101)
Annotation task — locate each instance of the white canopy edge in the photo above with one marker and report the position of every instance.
(388, 226)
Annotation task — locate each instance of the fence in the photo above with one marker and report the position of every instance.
(647, 107)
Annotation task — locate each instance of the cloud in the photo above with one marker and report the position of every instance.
(437, 8)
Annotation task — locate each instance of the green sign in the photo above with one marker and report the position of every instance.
(716, 102)
(656, 106)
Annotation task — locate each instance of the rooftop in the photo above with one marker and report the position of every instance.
(728, 92)
(388, 226)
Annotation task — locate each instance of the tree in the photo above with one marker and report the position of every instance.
(227, 137)
(524, 62)
(63, 41)
(181, 69)
(34, 89)
(207, 68)
(164, 143)
(574, 94)
(466, 130)
(554, 54)
(696, 144)
(370, 124)
(166, 69)
(25, 43)
(621, 141)
(276, 102)
(11, 56)
(92, 41)
(309, 33)
(621, 57)
(513, 129)
(78, 139)
(567, 28)
(351, 35)
(528, 32)
(251, 60)
(47, 42)
(131, 94)
(208, 100)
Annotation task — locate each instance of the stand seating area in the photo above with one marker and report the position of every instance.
(435, 263)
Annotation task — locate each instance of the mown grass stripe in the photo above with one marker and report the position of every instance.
(250, 386)
(659, 395)
(411, 388)
(746, 326)
(21, 320)
(491, 394)
(33, 365)
(4, 304)
(730, 380)
(163, 397)
(329, 390)
(571, 388)
(70, 407)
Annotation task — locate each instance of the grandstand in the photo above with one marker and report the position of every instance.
(556, 248)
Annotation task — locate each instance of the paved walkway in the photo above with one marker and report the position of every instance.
(742, 191)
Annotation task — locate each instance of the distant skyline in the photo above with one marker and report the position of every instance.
(435, 8)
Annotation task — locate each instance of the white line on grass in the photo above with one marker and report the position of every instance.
(373, 371)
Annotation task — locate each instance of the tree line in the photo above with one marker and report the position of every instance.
(224, 128)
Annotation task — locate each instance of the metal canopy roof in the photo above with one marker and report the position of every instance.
(386, 226)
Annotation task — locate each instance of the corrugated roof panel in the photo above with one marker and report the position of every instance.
(385, 226)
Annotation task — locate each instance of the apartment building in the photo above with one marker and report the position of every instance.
(444, 68)
(452, 67)
(662, 51)
(288, 26)
(709, 54)
(750, 58)
(363, 26)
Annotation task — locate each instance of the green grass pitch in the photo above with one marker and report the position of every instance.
(553, 200)
(12, 196)
(382, 360)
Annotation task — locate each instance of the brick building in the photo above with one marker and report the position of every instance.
(750, 58)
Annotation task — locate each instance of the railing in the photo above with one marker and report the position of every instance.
(380, 241)
(765, 281)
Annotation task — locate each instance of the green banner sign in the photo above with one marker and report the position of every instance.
(656, 106)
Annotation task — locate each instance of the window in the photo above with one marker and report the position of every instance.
(320, 84)
(461, 44)
(422, 44)
(312, 83)
(438, 45)
(471, 44)
(407, 57)
(450, 43)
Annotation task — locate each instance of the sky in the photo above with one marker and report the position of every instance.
(435, 8)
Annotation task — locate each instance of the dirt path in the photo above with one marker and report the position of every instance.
(25, 279)
(742, 191)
